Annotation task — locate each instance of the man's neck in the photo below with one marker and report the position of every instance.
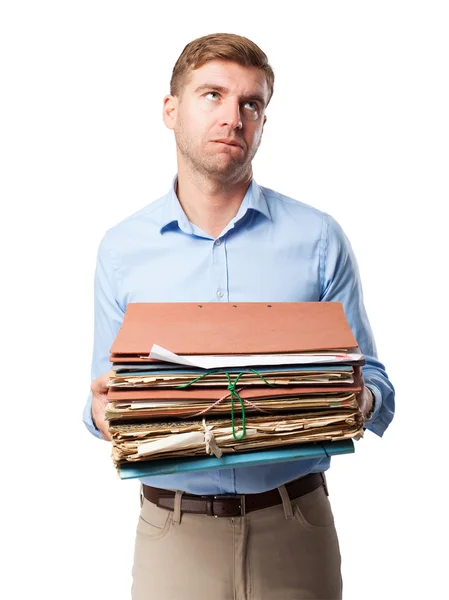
(210, 204)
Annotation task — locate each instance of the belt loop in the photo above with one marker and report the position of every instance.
(287, 503)
(177, 507)
(323, 477)
(210, 506)
(242, 505)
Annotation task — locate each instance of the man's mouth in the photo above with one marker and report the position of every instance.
(229, 142)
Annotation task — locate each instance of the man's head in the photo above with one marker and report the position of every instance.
(220, 87)
(219, 46)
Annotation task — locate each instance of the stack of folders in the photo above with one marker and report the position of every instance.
(217, 385)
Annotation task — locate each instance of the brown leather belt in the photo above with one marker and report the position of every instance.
(233, 506)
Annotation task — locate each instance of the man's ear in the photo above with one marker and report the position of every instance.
(264, 121)
(170, 111)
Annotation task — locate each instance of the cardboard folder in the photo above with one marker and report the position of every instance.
(212, 394)
(216, 328)
(187, 438)
(155, 368)
(137, 411)
(232, 461)
(272, 378)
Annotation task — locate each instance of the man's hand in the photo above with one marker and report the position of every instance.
(99, 400)
(365, 398)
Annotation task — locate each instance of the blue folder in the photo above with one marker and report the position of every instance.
(153, 369)
(173, 466)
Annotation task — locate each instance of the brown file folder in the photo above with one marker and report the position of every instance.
(214, 328)
(214, 394)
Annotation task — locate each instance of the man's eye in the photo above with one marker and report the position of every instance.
(252, 106)
(212, 95)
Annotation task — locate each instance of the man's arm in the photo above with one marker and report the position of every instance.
(340, 281)
(108, 317)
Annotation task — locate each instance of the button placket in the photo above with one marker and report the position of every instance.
(220, 270)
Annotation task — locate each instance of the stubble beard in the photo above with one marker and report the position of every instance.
(212, 165)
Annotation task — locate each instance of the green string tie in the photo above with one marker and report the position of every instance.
(234, 394)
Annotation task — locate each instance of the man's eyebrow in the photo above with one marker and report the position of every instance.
(212, 86)
(224, 90)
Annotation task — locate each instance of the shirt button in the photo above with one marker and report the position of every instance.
(220, 294)
(217, 242)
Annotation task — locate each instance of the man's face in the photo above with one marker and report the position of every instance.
(218, 118)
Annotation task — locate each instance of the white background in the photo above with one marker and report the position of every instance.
(358, 127)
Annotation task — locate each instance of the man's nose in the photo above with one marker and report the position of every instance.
(230, 115)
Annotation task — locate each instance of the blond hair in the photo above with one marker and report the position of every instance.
(224, 46)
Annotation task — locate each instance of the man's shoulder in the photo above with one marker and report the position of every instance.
(281, 203)
(148, 216)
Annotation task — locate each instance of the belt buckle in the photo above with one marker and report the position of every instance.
(242, 505)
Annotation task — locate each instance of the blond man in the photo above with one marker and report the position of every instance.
(263, 532)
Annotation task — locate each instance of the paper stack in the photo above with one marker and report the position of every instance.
(213, 385)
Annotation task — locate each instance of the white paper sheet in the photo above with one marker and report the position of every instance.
(221, 361)
(172, 442)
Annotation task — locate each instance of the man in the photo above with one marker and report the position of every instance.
(218, 236)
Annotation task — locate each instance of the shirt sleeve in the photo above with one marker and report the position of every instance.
(340, 282)
(108, 317)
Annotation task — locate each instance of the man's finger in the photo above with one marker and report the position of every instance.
(100, 384)
(100, 399)
(106, 436)
(104, 428)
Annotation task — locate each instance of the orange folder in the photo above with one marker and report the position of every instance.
(214, 328)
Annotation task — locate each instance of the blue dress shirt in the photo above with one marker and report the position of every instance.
(276, 249)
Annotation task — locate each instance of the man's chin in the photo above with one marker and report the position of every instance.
(224, 166)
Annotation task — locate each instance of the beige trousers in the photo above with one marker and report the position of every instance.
(285, 552)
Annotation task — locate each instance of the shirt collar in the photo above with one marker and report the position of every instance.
(173, 213)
